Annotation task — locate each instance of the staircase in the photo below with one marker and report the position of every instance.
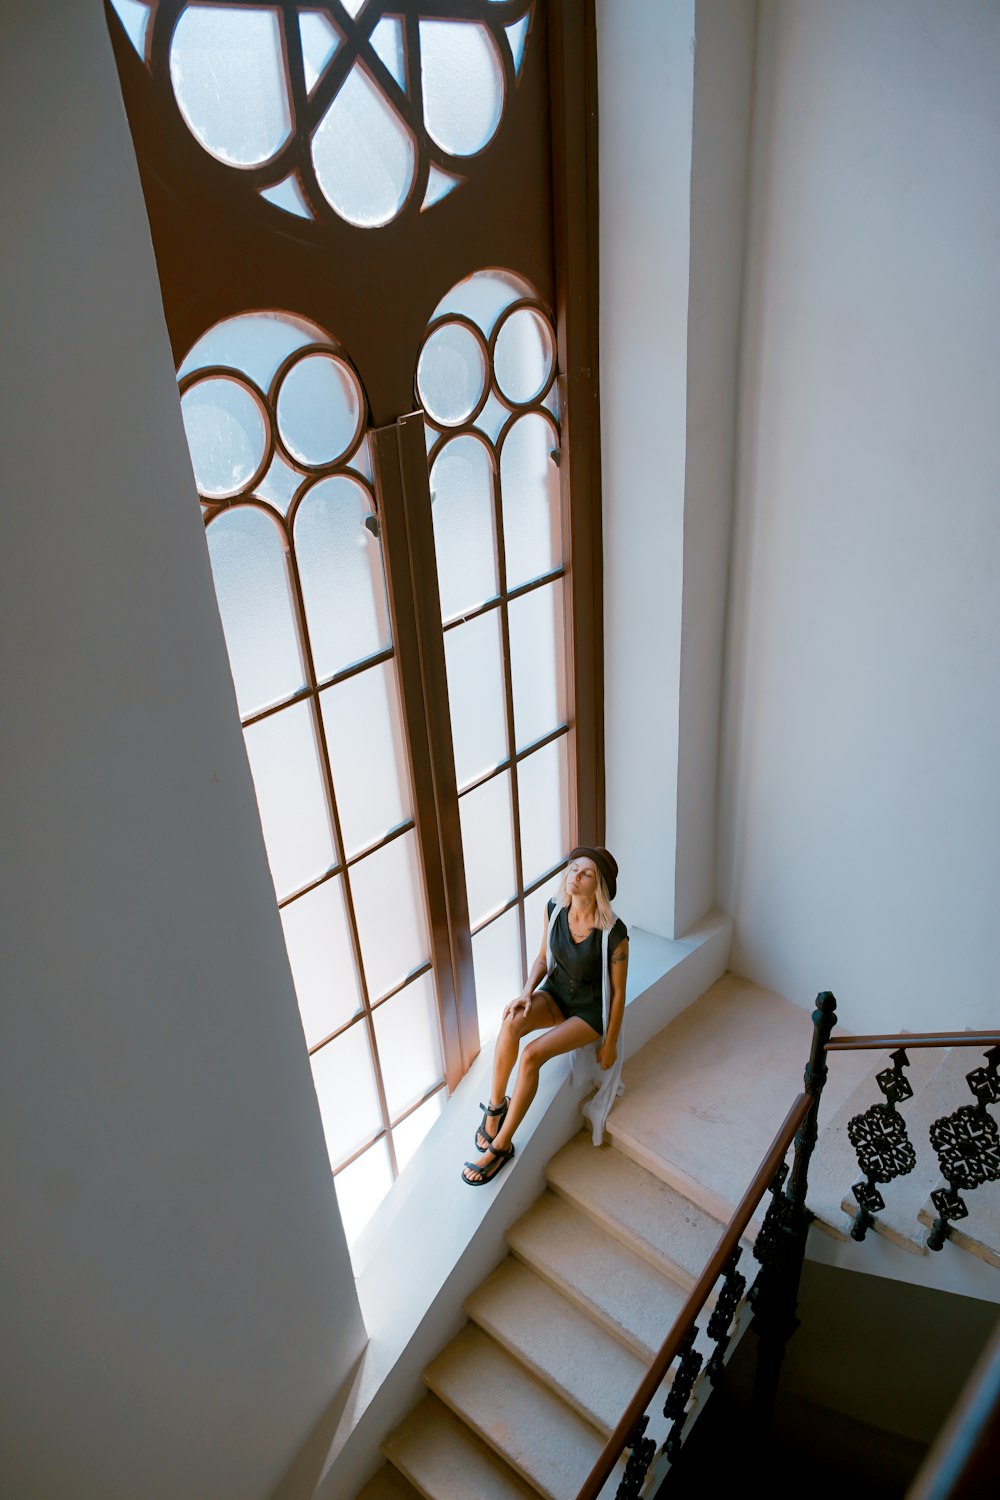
(521, 1402)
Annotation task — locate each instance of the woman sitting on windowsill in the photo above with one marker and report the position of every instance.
(570, 994)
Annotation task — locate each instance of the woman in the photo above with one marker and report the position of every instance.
(568, 1003)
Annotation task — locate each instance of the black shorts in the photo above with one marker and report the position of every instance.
(591, 1011)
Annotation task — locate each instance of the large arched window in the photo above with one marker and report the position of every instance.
(384, 328)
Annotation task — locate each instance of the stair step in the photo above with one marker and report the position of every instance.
(538, 1435)
(388, 1484)
(561, 1345)
(637, 1207)
(439, 1455)
(611, 1283)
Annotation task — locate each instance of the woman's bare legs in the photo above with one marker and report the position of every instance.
(540, 1012)
(564, 1037)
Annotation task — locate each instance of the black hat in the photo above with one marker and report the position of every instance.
(605, 862)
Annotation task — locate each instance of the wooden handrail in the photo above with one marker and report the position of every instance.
(697, 1296)
(880, 1042)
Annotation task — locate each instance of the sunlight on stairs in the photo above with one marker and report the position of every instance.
(521, 1402)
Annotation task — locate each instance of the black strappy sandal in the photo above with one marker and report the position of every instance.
(484, 1141)
(487, 1174)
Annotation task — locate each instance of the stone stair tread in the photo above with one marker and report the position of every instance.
(639, 1208)
(558, 1342)
(620, 1289)
(536, 1433)
(834, 1166)
(705, 1096)
(388, 1484)
(439, 1455)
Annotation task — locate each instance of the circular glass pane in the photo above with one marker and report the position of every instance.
(318, 410)
(524, 355)
(226, 433)
(451, 374)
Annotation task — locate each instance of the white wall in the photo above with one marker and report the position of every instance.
(672, 214)
(860, 806)
(177, 1301)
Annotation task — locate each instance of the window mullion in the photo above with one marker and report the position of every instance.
(402, 488)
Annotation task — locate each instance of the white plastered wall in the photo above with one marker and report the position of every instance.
(176, 1300)
(860, 805)
(675, 89)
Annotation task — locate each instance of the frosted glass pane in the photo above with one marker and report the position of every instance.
(529, 487)
(388, 904)
(387, 39)
(407, 1136)
(536, 917)
(345, 1087)
(524, 355)
(367, 755)
(252, 584)
(476, 695)
(361, 1188)
(517, 35)
(320, 40)
(361, 459)
(542, 781)
(340, 565)
(496, 962)
(451, 373)
(255, 343)
(318, 940)
(227, 69)
(483, 296)
(288, 194)
(135, 17)
(439, 185)
(291, 796)
(492, 418)
(537, 663)
(363, 153)
(319, 408)
(279, 484)
(226, 434)
(463, 85)
(488, 845)
(461, 483)
(409, 1044)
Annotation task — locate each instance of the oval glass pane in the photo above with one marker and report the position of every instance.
(386, 887)
(226, 434)
(474, 664)
(542, 781)
(461, 483)
(364, 154)
(291, 797)
(409, 1044)
(463, 85)
(524, 356)
(345, 1087)
(319, 410)
(537, 663)
(488, 846)
(407, 1135)
(228, 74)
(367, 756)
(253, 587)
(361, 1188)
(530, 500)
(340, 568)
(496, 963)
(451, 373)
(318, 940)
(254, 343)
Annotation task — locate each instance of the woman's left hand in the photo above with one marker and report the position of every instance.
(606, 1054)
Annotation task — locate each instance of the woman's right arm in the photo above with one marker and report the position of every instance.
(535, 974)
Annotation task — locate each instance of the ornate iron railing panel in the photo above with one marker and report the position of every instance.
(883, 1147)
(967, 1144)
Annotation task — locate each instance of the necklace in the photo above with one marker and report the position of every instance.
(578, 933)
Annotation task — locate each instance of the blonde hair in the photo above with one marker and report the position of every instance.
(605, 917)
